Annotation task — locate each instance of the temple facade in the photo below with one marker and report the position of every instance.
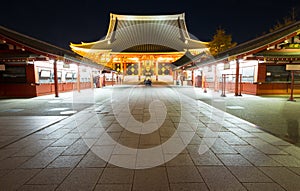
(138, 47)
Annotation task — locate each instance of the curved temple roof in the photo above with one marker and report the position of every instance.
(144, 34)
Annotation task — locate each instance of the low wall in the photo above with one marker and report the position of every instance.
(18, 90)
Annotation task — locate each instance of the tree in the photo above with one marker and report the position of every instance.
(220, 42)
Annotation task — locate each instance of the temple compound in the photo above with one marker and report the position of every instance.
(143, 47)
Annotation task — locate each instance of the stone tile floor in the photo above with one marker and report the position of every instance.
(143, 138)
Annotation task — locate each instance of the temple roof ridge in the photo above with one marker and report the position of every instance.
(148, 17)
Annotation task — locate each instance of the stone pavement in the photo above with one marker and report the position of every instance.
(274, 114)
(139, 138)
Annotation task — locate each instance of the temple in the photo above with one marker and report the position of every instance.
(143, 46)
(156, 47)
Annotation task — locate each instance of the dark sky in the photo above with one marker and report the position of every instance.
(60, 22)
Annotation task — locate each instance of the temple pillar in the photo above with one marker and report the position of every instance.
(156, 70)
(216, 80)
(78, 78)
(193, 78)
(92, 78)
(237, 76)
(140, 68)
(124, 69)
(121, 68)
(55, 78)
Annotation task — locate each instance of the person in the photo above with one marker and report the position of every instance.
(148, 82)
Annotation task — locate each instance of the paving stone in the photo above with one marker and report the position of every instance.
(263, 186)
(249, 174)
(232, 139)
(207, 158)
(271, 138)
(65, 161)
(116, 176)
(72, 135)
(35, 148)
(12, 162)
(182, 159)
(16, 178)
(188, 187)
(233, 160)
(256, 157)
(127, 161)
(219, 178)
(293, 150)
(4, 172)
(7, 152)
(151, 179)
(150, 139)
(81, 179)
(37, 188)
(240, 132)
(295, 170)
(284, 177)
(77, 148)
(45, 157)
(64, 142)
(49, 176)
(221, 147)
(58, 133)
(286, 160)
(113, 187)
(191, 174)
(250, 128)
(264, 146)
(91, 160)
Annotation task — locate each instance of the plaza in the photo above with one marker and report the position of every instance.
(199, 147)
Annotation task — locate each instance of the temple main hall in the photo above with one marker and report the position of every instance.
(139, 47)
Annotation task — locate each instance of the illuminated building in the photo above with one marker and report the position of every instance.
(143, 46)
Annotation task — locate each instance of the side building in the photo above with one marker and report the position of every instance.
(266, 65)
(30, 67)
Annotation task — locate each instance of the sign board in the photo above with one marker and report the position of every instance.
(2, 67)
(292, 67)
(66, 66)
(226, 66)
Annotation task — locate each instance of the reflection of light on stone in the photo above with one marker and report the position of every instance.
(68, 112)
(235, 107)
(54, 101)
(58, 109)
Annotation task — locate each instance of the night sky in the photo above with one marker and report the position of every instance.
(60, 22)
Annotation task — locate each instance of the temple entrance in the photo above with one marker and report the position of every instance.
(147, 68)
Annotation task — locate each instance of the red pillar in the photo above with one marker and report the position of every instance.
(292, 87)
(55, 78)
(237, 75)
(193, 78)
